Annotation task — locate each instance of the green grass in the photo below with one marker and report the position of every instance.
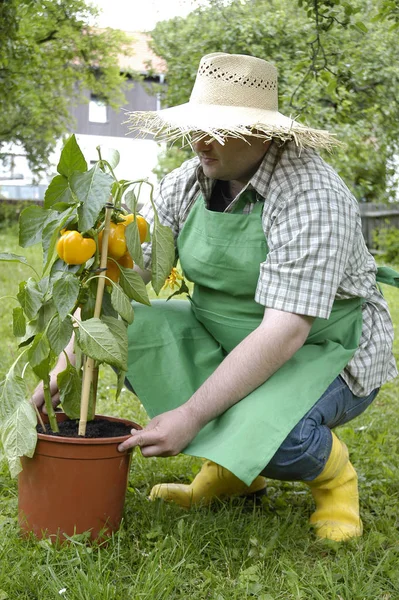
(231, 551)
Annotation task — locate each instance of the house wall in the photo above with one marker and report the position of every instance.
(137, 98)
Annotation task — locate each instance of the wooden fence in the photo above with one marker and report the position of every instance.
(377, 216)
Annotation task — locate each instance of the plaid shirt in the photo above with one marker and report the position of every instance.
(316, 252)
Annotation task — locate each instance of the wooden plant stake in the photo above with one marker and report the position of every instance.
(90, 373)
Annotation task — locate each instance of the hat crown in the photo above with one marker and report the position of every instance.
(236, 80)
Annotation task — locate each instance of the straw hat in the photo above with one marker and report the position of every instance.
(234, 95)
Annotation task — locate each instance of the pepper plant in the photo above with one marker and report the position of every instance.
(91, 236)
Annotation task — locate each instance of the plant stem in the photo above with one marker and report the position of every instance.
(49, 405)
(89, 368)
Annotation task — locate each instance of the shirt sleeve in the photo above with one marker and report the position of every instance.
(309, 239)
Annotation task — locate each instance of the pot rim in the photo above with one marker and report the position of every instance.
(90, 441)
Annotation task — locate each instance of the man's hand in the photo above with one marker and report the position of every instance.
(165, 435)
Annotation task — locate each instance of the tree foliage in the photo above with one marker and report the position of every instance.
(337, 63)
(49, 55)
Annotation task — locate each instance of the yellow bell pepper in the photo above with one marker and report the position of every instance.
(74, 249)
(116, 242)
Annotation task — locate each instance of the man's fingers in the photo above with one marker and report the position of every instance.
(140, 438)
(53, 386)
(149, 451)
(55, 399)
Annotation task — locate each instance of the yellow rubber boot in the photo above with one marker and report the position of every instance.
(211, 483)
(336, 496)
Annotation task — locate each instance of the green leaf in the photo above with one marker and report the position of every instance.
(361, 26)
(97, 341)
(121, 382)
(133, 285)
(58, 192)
(122, 304)
(30, 297)
(45, 314)
(17, 421)
(65, 294)
(61, 269)
(50, 235)
(87, 309)
(31, 222)
(111, 155)
(106, 308)
(10, 257)
(92, 190)
(183, 289)
(39, 323)
(19, 436)
(330, 89)
(132, 236)
(59, 333)
(163, 254)
(119, 331)
(348, 9)
(39, 356)
(70, 385)
(18, 322)
(12, 393)
(130, 199)
(43, 285)
(31, 330)
(71, 158)
(254, 588)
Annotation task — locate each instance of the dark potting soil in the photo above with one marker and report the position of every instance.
(98, 428)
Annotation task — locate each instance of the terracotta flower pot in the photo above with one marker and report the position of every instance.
(72, 485)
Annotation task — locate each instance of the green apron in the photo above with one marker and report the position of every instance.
(175, 346)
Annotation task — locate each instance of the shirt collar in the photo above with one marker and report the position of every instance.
(261, 179)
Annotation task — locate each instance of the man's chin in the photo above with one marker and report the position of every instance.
(211, 171)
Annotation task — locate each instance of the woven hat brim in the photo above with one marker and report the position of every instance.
(197, 121)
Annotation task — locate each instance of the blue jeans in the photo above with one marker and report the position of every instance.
(304, 453)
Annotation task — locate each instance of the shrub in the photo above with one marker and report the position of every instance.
(386, 240)
(11, 209)
(170, 159)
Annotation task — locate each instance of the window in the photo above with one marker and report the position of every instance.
(97, 110)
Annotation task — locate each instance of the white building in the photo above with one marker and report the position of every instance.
(96, 124)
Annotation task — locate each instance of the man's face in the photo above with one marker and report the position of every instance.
(237, 160)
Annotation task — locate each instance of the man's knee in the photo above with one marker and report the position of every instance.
(303, 453)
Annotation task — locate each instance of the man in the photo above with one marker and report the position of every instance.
(286, 335)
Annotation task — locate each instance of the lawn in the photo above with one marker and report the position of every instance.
(231, 551)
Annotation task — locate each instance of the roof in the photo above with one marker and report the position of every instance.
(141, 55)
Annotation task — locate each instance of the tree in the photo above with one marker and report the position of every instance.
(337, 70)
(49, 54)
